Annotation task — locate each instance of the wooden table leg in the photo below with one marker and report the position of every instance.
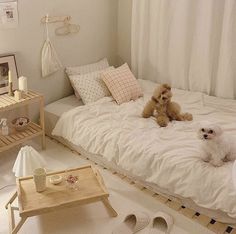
(11, 200)
(42, 122)
(109, 208)
(12, 227)
(11, 219)
(18, 226)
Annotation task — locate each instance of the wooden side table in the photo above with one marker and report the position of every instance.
(91, 188)
(15, 138)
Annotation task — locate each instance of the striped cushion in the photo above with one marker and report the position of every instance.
(122, 84)
(80, 70)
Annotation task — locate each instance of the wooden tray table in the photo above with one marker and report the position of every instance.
(91, 189)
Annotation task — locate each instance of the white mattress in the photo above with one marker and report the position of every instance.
(54, 110)
(108, 133)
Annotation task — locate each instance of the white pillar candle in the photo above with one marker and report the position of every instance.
(9, 76)
(23, 84)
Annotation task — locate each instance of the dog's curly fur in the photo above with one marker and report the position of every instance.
(217, 146)
(165, 109)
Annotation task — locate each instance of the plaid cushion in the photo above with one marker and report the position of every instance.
(122, 84)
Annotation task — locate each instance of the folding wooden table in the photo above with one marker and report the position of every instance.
(91, 189)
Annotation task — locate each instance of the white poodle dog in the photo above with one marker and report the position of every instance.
(218, 147)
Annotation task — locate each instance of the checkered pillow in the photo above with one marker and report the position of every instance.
(122, 84)
(90, 86)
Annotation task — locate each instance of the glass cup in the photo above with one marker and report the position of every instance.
(71, 179)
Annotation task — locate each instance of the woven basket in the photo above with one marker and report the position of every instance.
(19, 127)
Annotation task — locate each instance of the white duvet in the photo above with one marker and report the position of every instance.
(167, 157)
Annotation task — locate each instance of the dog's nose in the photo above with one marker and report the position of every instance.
(205, 136)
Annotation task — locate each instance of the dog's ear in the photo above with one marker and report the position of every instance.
(157, 92)
(218, 130)
(166, 86)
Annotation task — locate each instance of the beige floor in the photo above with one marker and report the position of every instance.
(89, 219)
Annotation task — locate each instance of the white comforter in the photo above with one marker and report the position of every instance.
(168, 157)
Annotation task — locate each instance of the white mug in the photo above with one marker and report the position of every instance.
(40, 179)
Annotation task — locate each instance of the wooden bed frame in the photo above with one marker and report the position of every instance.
(211, 224)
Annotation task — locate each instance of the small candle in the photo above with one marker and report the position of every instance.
(9, 77)
(17, 95)
(23, 84)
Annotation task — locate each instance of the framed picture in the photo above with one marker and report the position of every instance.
(8, 62)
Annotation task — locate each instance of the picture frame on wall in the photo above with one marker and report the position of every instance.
(8, 62)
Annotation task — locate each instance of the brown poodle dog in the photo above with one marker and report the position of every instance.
(166, 110)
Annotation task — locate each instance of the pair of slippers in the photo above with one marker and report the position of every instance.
(137, 221)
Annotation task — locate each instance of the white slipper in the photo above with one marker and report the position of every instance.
(132, 223)
(161, 223)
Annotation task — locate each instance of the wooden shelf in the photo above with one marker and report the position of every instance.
(8, 103)
(16, 138)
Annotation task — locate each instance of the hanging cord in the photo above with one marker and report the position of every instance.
(47, 20)
(6, 186)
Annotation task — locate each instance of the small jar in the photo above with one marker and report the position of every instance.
(72, 181)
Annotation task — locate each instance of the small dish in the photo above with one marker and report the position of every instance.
(55, 179)
(20, 123)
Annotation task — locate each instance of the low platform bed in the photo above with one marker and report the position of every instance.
(164, 159)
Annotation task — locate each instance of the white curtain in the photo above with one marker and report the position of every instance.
(190, 44)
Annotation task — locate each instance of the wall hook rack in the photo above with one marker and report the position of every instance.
(55, 19)
(67, 27)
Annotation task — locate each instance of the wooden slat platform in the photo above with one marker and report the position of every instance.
(209, 223)
(16, 138)
(8, 103)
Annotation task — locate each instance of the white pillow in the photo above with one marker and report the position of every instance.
(80, 70)
(90, 86)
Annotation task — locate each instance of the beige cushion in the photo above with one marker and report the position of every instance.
(90, 86)
(122, 84)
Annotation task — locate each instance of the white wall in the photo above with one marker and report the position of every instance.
(124, 31)
(97, 39)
